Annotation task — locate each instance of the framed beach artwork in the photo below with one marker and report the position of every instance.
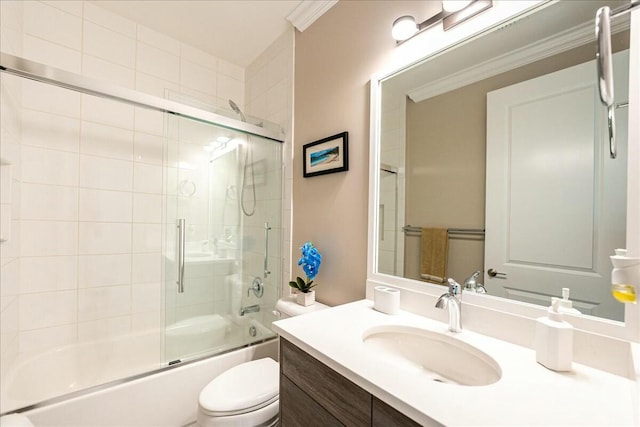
(327, 155)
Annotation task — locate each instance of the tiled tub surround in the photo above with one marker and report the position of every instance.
(89, 168)
(526, 394)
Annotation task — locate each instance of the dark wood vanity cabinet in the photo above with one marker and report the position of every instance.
(312, 394)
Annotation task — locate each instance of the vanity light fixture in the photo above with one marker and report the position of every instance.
(453, 13)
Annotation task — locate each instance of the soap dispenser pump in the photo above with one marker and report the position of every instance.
(565, 304)
(554, 339)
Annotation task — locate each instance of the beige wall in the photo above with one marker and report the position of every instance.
(334, 61)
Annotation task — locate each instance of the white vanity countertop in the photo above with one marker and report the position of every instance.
(526, 394)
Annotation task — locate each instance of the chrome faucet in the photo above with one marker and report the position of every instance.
(452, 301)
(472, 285)
(249, 309)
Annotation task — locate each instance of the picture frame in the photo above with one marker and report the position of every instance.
(327, 155)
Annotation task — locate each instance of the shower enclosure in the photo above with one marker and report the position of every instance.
(138, 233)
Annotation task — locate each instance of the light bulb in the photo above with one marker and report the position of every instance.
(455, 5)
(403, 28)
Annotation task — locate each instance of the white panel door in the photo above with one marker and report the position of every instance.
(555, 206)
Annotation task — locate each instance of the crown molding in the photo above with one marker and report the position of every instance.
(535, 51)
(308, 11)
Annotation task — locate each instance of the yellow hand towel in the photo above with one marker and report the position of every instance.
(433, 259)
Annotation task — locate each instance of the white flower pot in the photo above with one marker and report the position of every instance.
(306, 299)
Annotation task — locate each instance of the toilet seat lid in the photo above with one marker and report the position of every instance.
(243, 388)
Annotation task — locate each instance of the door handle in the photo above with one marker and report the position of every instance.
(493, 273)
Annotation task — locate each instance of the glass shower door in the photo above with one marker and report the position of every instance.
(223, 204)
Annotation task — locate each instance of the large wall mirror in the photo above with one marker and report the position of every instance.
(493, 155)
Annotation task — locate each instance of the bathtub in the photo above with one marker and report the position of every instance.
(63, 381)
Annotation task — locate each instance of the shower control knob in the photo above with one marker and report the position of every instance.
(276, 313)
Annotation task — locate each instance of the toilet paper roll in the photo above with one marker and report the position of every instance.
(386, 299)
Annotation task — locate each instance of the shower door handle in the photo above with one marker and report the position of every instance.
(180, 255)
(266, 250)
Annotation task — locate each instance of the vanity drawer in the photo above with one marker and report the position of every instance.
(341, 398)
(298, 409)
(383, 415)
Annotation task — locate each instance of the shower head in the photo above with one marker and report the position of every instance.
(237, 109)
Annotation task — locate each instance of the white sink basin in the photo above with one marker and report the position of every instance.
(431, 355)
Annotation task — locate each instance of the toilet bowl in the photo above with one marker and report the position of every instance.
(247, 395)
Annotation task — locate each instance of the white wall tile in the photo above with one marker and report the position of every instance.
(199, 57)
(104, 270)
(151, 122)
(107, 71)
(46, 274)
(147, 237)
(74, 7)
(230, 88)
(147, 208)
(50, 99)
(49, 202)
(231, 70)
(42, 238)
(52, 24)
(109, 45)
(146, 297)
(105, 206)
(108, 174)
(51, 131)
(103, 328)
(10, 40)
(39, 340)
(10, 276)
(202, 100)
(47, 309)
(148, 148)
(106, 111)
(158, 40)
(146, 268)
(109, 20)
(147, 178)
(51, 54)
(159, 63)
(104, 238)
(149, 321)
(154, 85)
(100, 303)
(197, 77)
(106, 141)
(11, 12)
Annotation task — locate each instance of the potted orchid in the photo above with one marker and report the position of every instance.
(310, 262)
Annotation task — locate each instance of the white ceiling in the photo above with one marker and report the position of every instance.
(234, 30)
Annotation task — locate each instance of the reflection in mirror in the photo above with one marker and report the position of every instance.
(494, 158)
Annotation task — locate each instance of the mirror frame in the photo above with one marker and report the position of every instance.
(435, 42)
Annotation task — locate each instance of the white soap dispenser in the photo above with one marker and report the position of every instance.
(565, 304)
(554, 339)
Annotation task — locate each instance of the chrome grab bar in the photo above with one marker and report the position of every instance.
(180, 254)
(605, 65)
(266, 250)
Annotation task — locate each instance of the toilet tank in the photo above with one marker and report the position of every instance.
(288, 307)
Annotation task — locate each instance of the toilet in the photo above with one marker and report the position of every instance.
(247, 395)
